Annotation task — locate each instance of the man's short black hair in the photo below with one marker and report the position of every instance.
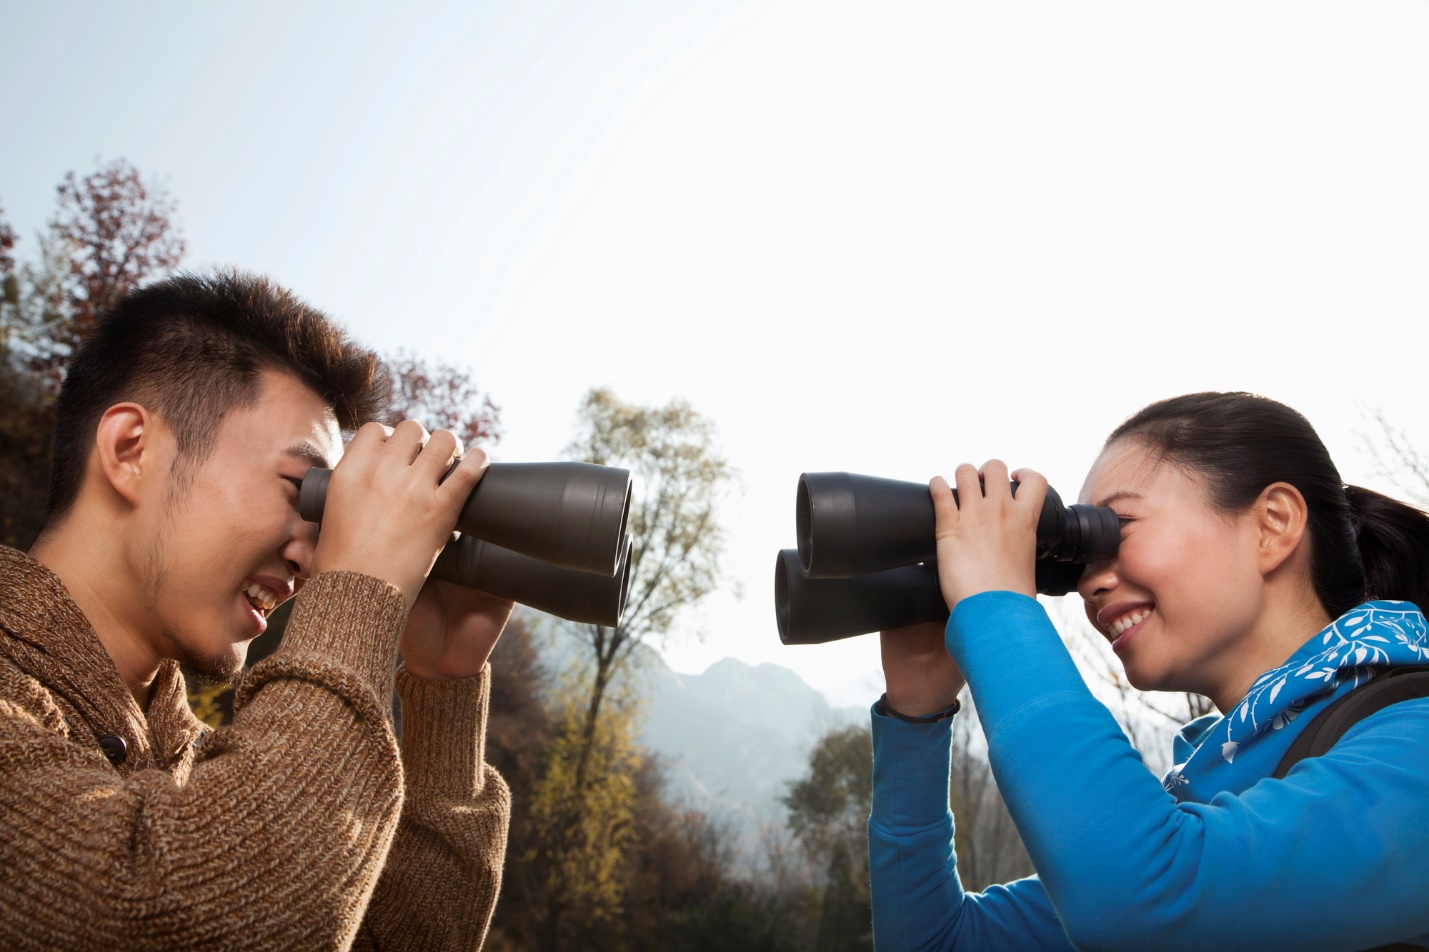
(191, 348)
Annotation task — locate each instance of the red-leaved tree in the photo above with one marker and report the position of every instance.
(110, 233)
(441, 396)
(117, 233)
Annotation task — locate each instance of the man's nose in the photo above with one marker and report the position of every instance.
(300, 548)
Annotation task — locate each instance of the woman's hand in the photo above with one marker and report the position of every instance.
(987, 538)
(922, 678)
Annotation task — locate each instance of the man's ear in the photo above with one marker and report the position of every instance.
(125, 449)
(1283, 519)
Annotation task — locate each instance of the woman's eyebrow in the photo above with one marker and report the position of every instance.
(1118, 497)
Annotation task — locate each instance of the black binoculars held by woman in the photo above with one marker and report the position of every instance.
(548, 535)
(865, 556)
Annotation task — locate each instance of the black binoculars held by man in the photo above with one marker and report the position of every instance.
(548, 535)
(865, 556)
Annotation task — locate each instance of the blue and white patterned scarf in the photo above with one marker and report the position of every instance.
(1354, 648)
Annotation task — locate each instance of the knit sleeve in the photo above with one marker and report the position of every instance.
(439, 887)
(276, 837)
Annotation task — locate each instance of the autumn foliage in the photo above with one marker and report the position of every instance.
(441, 396)
(118, 232)
(110, 232)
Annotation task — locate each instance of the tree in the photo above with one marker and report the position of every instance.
(679, 478)
(583, 811)
(828, 813)
(442, 396)
(110, 232)
(26, 422)
(1396, 458)
(118, 233)
(35, 317)
(7, 245)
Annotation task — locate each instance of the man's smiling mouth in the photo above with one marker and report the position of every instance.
(262, 600)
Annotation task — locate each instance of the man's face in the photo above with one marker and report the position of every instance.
(226, 546)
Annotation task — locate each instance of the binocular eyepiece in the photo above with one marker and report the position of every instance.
(549, 535)
(866, 548)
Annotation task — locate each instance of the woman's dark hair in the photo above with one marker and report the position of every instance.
(1363, 544)
(192, 348)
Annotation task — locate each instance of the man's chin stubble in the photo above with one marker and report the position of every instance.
(222, 669)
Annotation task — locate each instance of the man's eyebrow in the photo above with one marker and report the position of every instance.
(308, 452)
(1118, 497)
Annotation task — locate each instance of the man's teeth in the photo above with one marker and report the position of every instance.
(1120, 626)
(261, 596)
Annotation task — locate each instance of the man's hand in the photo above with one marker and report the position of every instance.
(921, 677)
(389, 511)
(451, 630)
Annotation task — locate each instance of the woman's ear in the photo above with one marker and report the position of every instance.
(125, 454)
(1283, 518)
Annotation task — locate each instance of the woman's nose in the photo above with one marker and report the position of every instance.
(1097, 577)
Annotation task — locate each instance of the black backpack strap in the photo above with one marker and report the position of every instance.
(1398, 684)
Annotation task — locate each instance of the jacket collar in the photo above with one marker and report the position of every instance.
(1227, 753)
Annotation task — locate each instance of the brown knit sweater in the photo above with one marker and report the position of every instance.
(297, 827)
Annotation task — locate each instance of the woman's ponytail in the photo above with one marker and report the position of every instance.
(1393, 540)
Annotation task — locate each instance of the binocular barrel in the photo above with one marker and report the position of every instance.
(851, 525)
(812, 611)
(585, 597)
(571, 515)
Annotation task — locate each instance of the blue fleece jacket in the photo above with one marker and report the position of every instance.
(1219, 856)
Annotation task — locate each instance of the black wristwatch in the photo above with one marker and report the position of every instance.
(881, 707)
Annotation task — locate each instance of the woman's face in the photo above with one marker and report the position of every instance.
(1184, 588)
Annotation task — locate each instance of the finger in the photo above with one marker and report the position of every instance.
(996, 484)
(436, 456)
(1031, 488)
(968, 483)
(945, 507)
(407, 439)
(369, 436)
(466, 474)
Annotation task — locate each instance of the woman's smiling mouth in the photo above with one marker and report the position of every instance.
(1125, 620)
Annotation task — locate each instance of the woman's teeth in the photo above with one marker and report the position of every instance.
(1120, 626)
(261, 597)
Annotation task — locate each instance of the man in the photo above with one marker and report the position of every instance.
(183, 431)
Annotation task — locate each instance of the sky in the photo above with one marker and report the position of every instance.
(883, 238)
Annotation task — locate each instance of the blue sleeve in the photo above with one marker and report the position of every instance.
(1334, 856)
(918, 902)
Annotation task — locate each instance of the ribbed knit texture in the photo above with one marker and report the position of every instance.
(287, 829)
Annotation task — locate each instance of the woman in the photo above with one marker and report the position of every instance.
(1248, 573)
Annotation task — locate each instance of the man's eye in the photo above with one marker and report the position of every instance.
(296, 483)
